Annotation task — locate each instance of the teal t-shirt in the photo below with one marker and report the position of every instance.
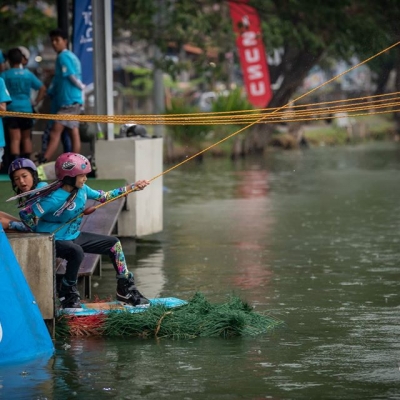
(4, 98)
(66, 93)
(46, 207)
(19, 82)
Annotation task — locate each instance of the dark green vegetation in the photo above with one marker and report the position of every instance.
(24, 22)
(305, 33)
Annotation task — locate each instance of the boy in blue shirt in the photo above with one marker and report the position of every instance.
(68, 94)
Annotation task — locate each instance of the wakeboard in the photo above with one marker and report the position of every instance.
(118, 306)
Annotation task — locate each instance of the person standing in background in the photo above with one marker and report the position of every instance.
(68, 94)
(25, 55)
(5, 98)
(20, 82)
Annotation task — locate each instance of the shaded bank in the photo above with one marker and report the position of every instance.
(258, 138)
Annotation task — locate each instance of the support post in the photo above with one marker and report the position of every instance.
(62, 15)
(159, 20)
(102, 60)
(158, 94)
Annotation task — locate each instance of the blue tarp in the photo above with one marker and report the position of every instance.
(23, 333)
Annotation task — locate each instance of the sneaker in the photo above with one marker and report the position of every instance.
(70, 297)
(128, 293)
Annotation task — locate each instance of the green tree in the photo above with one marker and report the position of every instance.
(171, 24)
(306, 32)
(23, 22)
(303, 32)
(387, 14)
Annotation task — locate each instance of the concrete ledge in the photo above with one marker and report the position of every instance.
(35, 254)
(132, 159)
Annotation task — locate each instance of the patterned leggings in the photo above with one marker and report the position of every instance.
(73, 252)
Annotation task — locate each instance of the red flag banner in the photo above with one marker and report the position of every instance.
(246, 25)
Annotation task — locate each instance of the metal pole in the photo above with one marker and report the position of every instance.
(158, 88)
(158, 94)
(102, 60)
(62, 15)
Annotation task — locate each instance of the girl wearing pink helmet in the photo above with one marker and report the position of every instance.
(24, 178)
(54, 209)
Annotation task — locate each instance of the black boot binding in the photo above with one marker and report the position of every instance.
(128, 293)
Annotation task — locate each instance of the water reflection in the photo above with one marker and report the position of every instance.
(32, 380)
(151, 277)
(147, 264)
(252, 218)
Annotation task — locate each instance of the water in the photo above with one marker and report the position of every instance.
(310, 236)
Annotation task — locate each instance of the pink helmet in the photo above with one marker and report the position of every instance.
(71, 164)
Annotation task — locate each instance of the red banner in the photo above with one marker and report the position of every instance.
(246, 25)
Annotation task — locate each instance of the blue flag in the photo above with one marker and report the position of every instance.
(82, 40)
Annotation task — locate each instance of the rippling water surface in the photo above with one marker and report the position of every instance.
(310, 236)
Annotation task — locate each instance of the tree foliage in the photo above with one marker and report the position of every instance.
(171, 24)
(24, 22)
(304, 32)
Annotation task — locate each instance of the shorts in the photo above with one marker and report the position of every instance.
(73, 109)
(1, 154)
(23, 124)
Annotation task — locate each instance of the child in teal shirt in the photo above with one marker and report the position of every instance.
(58, 208)
(4, 100)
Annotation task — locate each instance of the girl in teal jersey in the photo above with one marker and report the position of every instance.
(59, 208)
(24, 178)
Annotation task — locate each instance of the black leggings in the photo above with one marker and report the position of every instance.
(73, 252)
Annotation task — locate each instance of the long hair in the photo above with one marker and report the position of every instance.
(67, 202)
(35, 195)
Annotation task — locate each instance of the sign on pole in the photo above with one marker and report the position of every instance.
(82, 39)
(246, 25)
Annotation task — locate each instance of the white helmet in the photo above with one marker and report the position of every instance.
(129, 130)
(25, 52)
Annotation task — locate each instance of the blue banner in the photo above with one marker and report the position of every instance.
(82, 40)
